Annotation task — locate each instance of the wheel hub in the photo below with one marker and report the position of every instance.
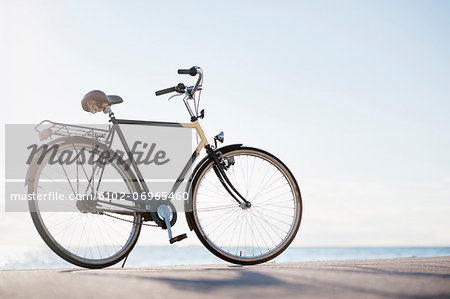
(245, 205)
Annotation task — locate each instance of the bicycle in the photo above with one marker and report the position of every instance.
(243, 203)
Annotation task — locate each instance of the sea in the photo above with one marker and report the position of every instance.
(13, 257)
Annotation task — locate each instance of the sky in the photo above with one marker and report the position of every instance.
(354, 96)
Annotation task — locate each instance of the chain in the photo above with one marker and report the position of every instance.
(130, 221)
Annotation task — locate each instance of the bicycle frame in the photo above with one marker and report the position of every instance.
(218, 169)
(194, 125)
(212, 154)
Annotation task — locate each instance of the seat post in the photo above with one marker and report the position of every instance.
(108, 110)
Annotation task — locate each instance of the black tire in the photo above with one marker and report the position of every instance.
(104, 240)
(216, 215)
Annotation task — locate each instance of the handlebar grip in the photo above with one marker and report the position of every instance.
(164, 91)
(192, 71)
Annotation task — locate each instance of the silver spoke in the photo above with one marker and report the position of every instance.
(255, 233)
(84, 237)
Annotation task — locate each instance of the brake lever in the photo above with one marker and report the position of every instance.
(175, 95)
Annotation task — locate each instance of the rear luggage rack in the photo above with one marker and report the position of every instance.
(50, 129)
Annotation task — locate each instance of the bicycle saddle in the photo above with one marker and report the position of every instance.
(96, 101)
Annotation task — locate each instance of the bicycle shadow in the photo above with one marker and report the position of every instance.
(238, 278)
(242, 279)
(232, 276)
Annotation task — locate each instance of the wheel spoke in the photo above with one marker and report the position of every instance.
(254, 233)
(84, 238)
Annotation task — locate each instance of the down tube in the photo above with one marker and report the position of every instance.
(183, 173)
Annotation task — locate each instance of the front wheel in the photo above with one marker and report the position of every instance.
(237, 233)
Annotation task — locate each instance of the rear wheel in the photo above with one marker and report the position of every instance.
(240, 234)
(83, 232)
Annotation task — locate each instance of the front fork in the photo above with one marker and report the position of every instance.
(225, 181)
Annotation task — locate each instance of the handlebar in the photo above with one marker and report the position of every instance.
(192, 71)
(188, 90)
(180, 88)
(164, 91)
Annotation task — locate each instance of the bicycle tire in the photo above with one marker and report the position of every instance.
(100, 225)
(205, 209)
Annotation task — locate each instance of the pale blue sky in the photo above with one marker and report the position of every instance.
(353, 95)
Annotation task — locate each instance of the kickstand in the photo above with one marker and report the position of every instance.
(124, 261)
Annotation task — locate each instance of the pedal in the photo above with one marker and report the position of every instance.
(177, 238)
(165, 212)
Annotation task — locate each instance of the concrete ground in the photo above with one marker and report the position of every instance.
(394, 278)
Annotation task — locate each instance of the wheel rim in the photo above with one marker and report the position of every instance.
(84, 238)
(259, 232)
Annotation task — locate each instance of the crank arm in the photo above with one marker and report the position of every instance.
(164, 212)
